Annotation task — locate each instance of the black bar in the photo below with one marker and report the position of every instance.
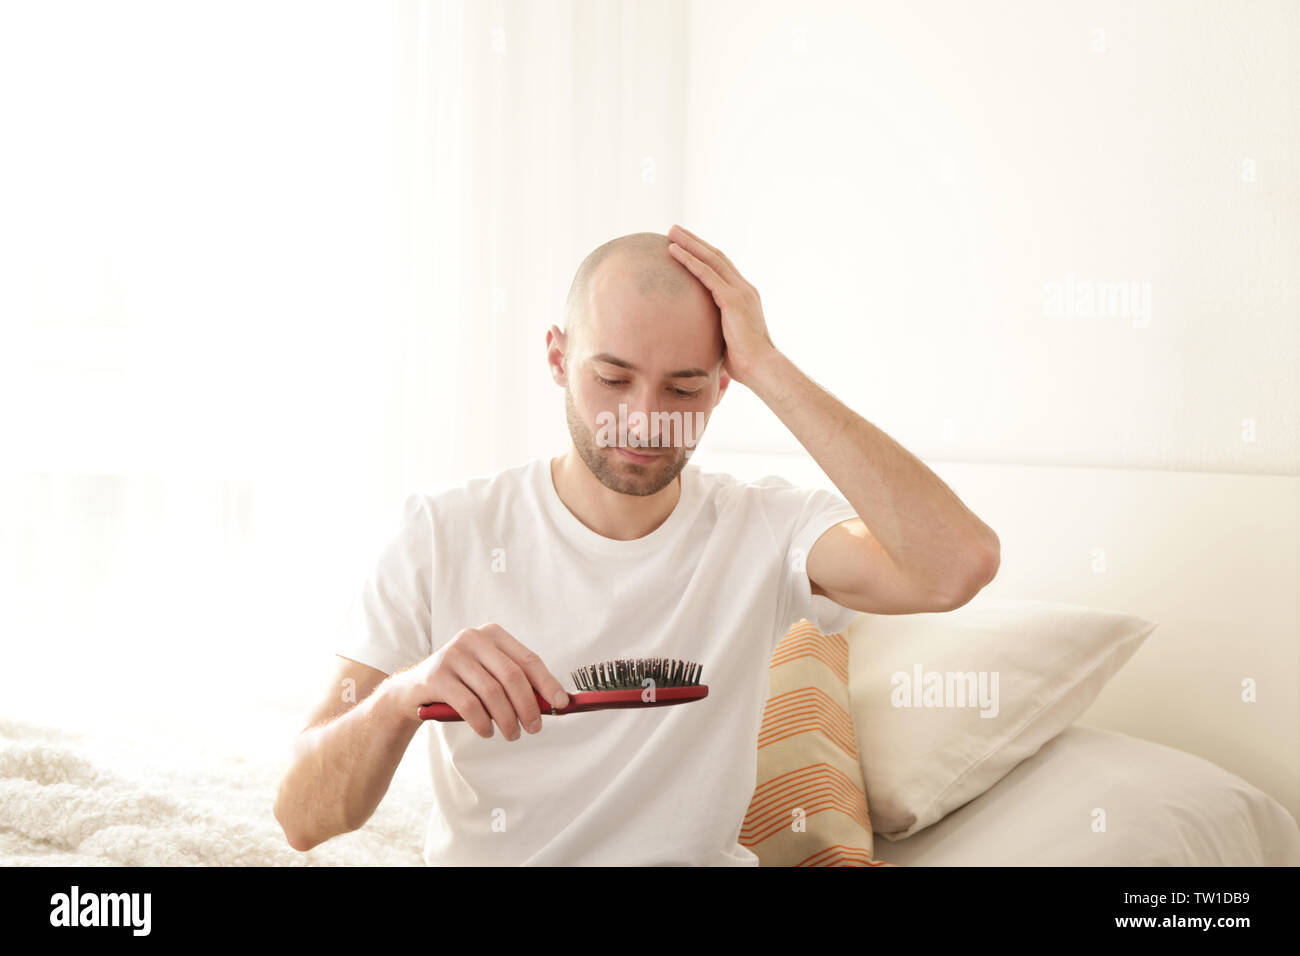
(913, 905)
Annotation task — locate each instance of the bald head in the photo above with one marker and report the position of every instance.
(642, 345)
(640, 260)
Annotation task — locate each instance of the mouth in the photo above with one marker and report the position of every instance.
(639, 459)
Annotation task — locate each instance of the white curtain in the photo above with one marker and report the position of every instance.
(532, 132)
(265, 269)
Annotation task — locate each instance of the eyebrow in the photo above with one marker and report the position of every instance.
(615, 360)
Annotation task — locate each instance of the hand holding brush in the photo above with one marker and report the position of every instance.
(627, 682)
(485, 675)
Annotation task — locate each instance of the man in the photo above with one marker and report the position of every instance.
(620, 548)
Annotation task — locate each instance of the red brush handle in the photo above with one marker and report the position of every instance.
(590, 700)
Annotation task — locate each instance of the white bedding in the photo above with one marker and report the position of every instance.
(71, 800)
(68, 799)
(1163, 807)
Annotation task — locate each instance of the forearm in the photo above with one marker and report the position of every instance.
(342, 769)
(915, 516)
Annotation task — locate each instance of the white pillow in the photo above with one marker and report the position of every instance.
(1034, 666)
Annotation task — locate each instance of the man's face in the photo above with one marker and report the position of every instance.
(675, 347)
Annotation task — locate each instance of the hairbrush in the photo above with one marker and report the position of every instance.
(633, 682)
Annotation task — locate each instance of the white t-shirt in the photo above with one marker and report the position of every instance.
(718, 583)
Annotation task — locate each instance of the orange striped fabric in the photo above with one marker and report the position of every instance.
(810, 804)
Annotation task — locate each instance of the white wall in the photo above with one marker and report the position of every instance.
(264, 269)
(903, 181)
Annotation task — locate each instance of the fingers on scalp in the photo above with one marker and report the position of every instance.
(726, 266)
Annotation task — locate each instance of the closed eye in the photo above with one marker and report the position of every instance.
(614, 383)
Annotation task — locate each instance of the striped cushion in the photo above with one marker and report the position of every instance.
(810, 805)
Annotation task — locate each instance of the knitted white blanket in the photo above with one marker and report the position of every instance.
(71, 800)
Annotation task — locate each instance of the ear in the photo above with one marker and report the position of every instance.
(723, 381)
(555, 355)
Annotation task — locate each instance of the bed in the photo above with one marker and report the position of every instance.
(1181, 810)
(175, 796)
(1197, 736)
(76, 800)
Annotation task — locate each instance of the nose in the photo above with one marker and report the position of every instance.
(643, 430)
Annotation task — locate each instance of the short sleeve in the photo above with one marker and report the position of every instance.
(801, 516)
(387, 623)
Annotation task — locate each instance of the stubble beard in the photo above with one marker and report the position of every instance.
(613, 470)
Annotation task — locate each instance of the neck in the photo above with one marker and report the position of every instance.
(606, 512)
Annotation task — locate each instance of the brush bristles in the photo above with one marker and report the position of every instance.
(629, 673)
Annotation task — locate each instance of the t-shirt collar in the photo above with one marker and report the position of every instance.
(584, 537)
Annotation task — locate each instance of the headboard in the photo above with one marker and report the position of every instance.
(1214, 558)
